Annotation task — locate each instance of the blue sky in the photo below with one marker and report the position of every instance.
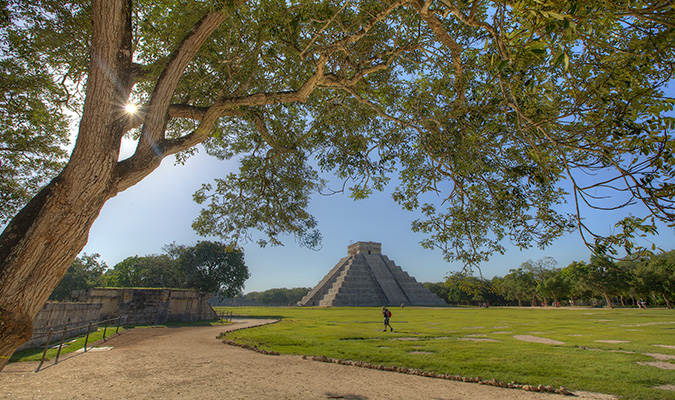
(159, 210)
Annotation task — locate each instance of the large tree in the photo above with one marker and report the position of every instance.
(213, 267)
(656, 276)
(602, 277)
(210, 267)
(541, 270)
(153, 271)
(519, 285)
(488, 105)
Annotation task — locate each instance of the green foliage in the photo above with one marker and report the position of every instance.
(40, 62)
(657, 275)
(33, 133)
(546, 277)
(554, 286)
(213, 268)
(466, 289)
(207, 266)
(147, 271)
(85, 272)
(439, 289)
(268, 194)
(518, 284)
(273, 297)
(590, 364)
(648, 278)
(601, 277)
(485, 114)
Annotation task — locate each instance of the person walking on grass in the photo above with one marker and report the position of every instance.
(387, 314)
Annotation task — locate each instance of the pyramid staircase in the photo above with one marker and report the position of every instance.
(368, 278)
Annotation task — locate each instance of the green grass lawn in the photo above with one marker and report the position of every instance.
(600, 349)
(70, 345)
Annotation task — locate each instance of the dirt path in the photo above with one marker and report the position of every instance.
(190, 363)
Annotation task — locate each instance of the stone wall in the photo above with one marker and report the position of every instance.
(57, 316)
(135, 306)
(151, 306)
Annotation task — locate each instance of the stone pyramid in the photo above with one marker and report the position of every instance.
(366, 277)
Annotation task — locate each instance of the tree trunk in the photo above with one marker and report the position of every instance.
(608, 300)
(668, 305)
(40, 243)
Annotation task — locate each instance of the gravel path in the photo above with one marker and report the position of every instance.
(190, 363)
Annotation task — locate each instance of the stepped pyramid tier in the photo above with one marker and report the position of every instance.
(366, 277)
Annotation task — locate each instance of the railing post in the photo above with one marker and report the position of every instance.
(63, 337)
(86, 340)
(49, 338)
(117, 329)
(105, 328)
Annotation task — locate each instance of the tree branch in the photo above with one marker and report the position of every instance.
(436, 25)
(148, 154)
(344, 43)
(316, 36)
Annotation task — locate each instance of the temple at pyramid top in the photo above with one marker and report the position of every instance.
(366, 277)
(364, 247)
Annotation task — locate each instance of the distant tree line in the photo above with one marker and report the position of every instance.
(599, 282)
(213, 267)
(271, 297)
(210, 267)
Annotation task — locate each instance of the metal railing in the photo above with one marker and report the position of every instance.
(49, 334)
(225, 316)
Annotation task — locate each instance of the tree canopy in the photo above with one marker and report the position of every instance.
(33, 129)
(153, 271)
(270, 297)
(483, 110)
(488, 105)
(210, 267)
(596, 283)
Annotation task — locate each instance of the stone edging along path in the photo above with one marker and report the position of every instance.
(245, 346)
(402, 370)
